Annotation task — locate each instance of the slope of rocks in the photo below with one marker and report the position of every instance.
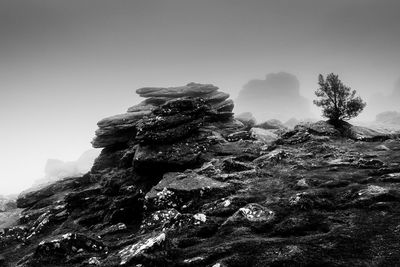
(179, 182)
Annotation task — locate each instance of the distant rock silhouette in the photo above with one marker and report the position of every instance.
(59, 169)
(276, 97)
(56, 169)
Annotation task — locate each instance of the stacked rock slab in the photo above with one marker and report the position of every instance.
(170, 128)
(164, 113)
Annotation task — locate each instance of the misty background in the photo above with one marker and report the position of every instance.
(64, 65)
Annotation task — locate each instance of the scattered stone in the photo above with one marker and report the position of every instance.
(253, 215)
(242, 135)
(302, 184)
(135, 251)
(160, 219)
(274, 157)
(67, 245)
(200, 218)
(94, 261)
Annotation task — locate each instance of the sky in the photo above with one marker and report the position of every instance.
(64, 65)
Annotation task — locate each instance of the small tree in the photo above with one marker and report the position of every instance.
(338, 101)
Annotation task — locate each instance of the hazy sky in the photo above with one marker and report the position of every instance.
(66, 64)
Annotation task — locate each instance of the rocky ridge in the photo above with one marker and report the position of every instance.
(180, 182)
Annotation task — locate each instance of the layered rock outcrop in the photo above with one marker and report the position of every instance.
(167, 115)
(180, 182)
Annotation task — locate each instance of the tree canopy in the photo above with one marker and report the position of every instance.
(338, 101)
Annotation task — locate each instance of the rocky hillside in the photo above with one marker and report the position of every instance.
(179, 182)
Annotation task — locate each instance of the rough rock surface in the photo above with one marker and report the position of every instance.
(263, 135)
(184, 184)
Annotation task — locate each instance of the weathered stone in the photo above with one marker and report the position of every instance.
(160, 219)
(139, 249)
(302, 184)
(68, 244)
(162, 135)
(310, 200)
(191, 89)
(273, 157)
(163, 158)
(117, 129)
(241, 135)
(225, 106)
(189, 184)
(320, 128)
(143, 107)
(215, 97)
(265, 136)
(30, 199)
(253, 215)
(116, 228)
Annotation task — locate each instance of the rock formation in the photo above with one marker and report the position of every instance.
(180, 182)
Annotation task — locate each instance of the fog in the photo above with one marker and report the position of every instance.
(56, 169)
(381, 101)
(67, 64)
(275, 97)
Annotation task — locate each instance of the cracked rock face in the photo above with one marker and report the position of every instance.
(180, 182)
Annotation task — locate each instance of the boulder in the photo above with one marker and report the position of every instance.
(138, 251)
(187, 184)
(265, 136)
(252, 215)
